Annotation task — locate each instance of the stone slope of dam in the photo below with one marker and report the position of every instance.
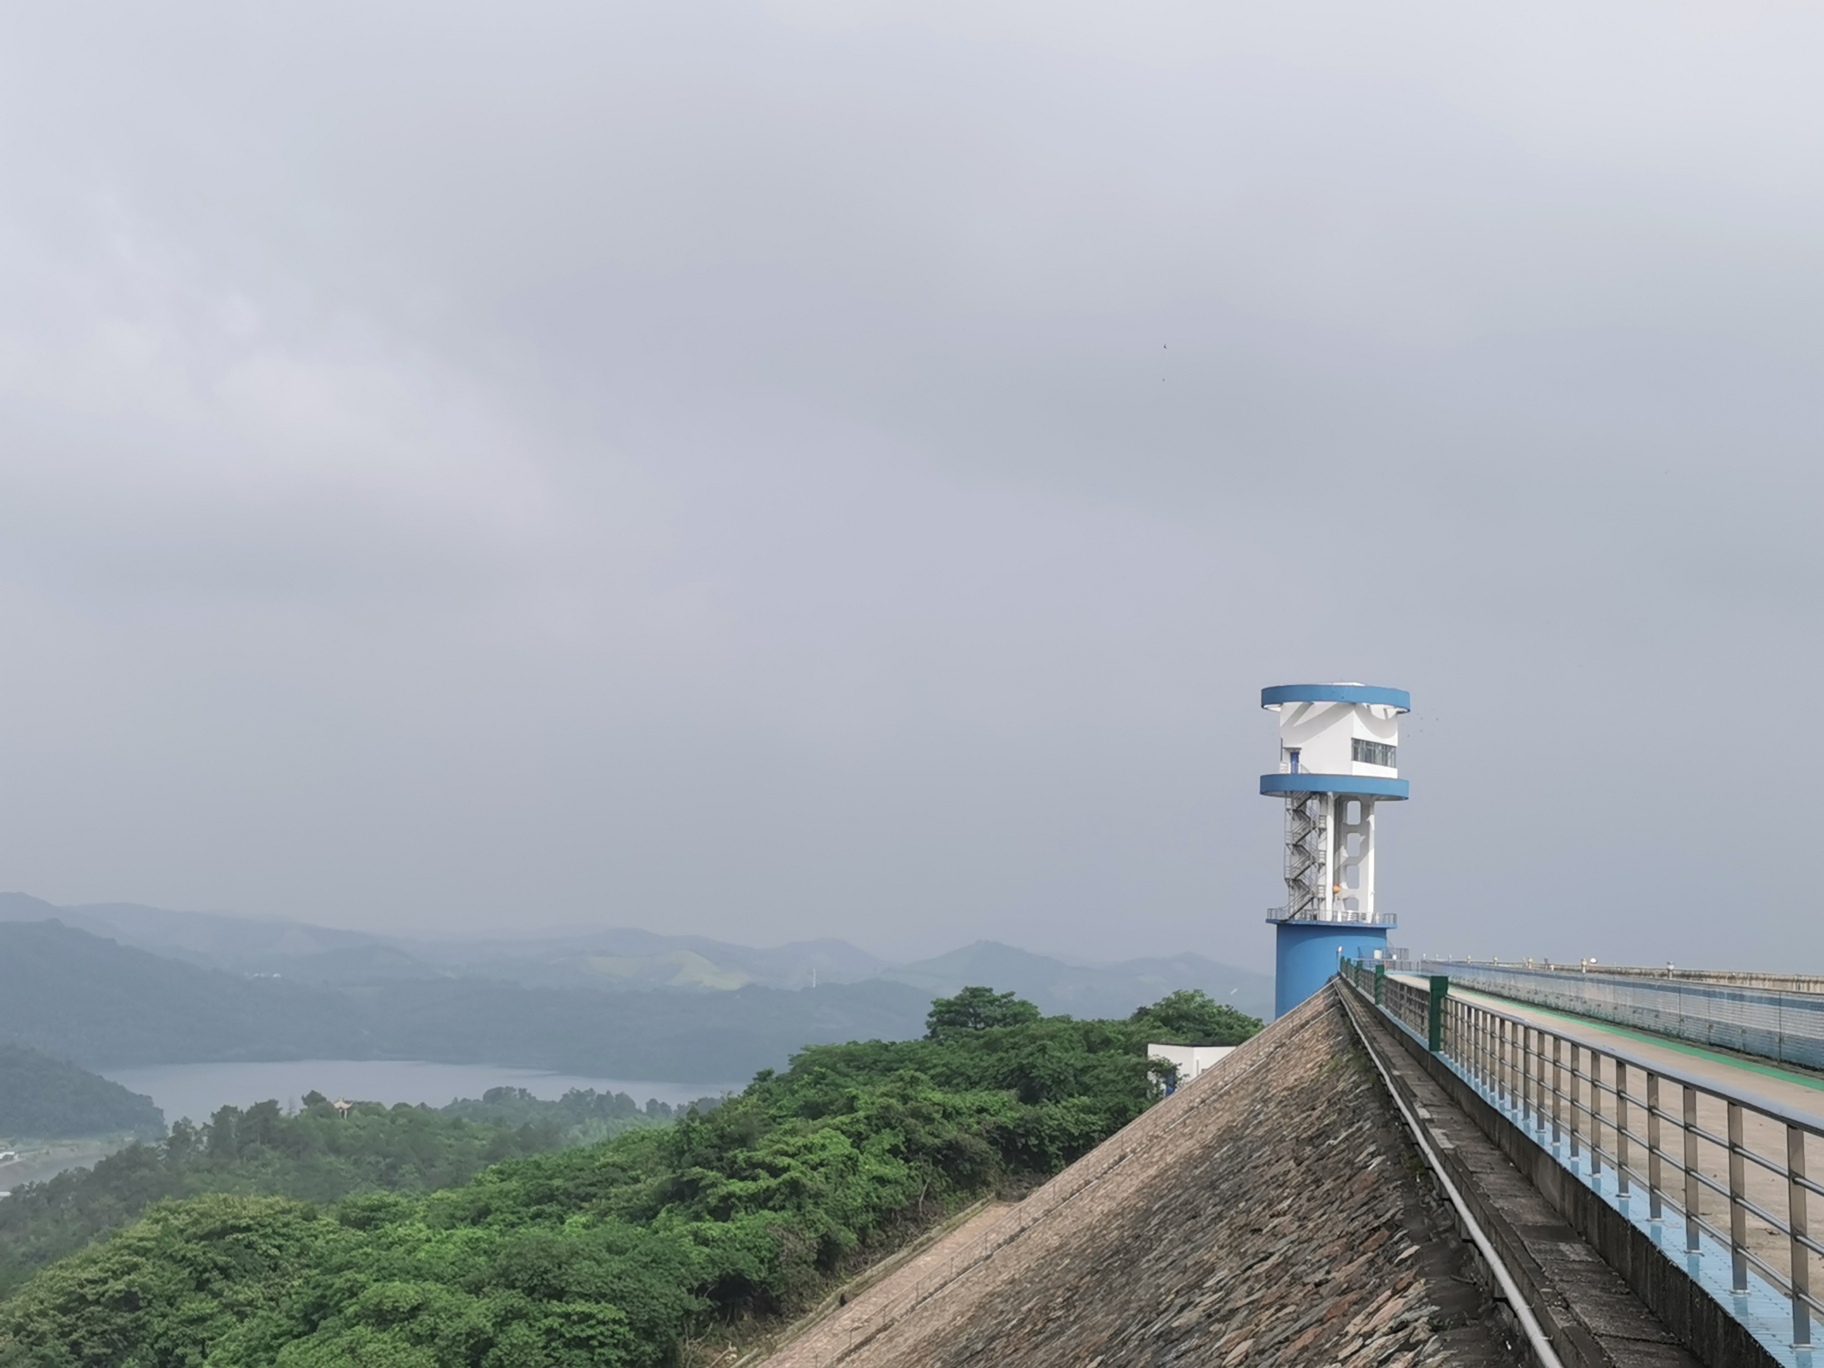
(1273, 1212)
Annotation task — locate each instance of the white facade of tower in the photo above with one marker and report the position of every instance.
(1339, 738)
(1338, 757)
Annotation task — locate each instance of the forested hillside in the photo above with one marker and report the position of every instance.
(318, 1155)
(42, 1098)
(81, 997)
(613, 1254)
(85, 998)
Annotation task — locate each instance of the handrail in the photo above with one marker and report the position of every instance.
(1555, 1087)
(1811, 1121)
(1781, 1018)
(1697, 978)
(1333, 916)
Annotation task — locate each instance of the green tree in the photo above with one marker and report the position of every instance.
(1191, 1016)
(976, 1009)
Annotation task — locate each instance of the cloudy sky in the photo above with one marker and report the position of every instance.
(794, 469)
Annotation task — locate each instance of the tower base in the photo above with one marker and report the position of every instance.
(1306, 954)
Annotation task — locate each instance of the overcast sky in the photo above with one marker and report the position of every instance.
(782, 470)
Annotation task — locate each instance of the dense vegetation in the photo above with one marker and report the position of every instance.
(614, 1254)
(316, 1155)
(42, 1098)
(582, 1115)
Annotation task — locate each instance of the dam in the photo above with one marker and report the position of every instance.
(1398, 1172)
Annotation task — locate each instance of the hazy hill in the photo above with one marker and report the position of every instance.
(655, 1034)
(210, 939)
(613, 958)
(627, 959)
(42, 1098)
(622, 1003)
(350, 964)
(79, 996)
(74, 994)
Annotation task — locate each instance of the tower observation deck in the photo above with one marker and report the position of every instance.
(1338, 760)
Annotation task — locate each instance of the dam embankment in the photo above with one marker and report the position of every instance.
(1274, 1212)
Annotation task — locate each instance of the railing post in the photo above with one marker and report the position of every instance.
(1434, 1015)
(1514, 1093)
(1799, 1229)
(1380, 983)
(1501, 1079)
(1655, 1174)
(1576, 1095)
(1557, 1089)
(1595, 1113)
(1691, 1183)
(1621, 1127)
(1738, 1214)
(1526, 1073)
(1516, 1066)
(1538, 1066)
(1488, 1049)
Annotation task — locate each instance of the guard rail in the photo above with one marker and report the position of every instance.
(1726, 1170)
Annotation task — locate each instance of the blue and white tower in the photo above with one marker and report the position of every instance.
(1338, 754)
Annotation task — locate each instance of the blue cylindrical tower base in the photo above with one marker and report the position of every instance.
(1307, 953)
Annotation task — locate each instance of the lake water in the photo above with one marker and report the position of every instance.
(197, 1090)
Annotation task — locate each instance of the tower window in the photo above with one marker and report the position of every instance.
(1373, 753)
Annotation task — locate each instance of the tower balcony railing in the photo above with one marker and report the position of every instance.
(1338, 916)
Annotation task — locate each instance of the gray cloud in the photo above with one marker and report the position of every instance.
(798, 469)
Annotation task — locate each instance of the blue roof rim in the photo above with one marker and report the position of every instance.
(1336, 693)
(1360, 785)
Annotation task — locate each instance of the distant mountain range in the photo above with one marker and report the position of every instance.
(211, 939)
(632, 960)
(115, 984)
(77, 996)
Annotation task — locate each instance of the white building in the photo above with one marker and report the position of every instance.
(1190, 1060)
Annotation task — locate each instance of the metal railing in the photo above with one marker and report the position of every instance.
(1728, 1167)
(1779, 1023)
(1667, 973)
(1338, 916)
(1417, 1003)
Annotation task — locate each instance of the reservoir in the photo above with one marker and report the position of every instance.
(198, 1090)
